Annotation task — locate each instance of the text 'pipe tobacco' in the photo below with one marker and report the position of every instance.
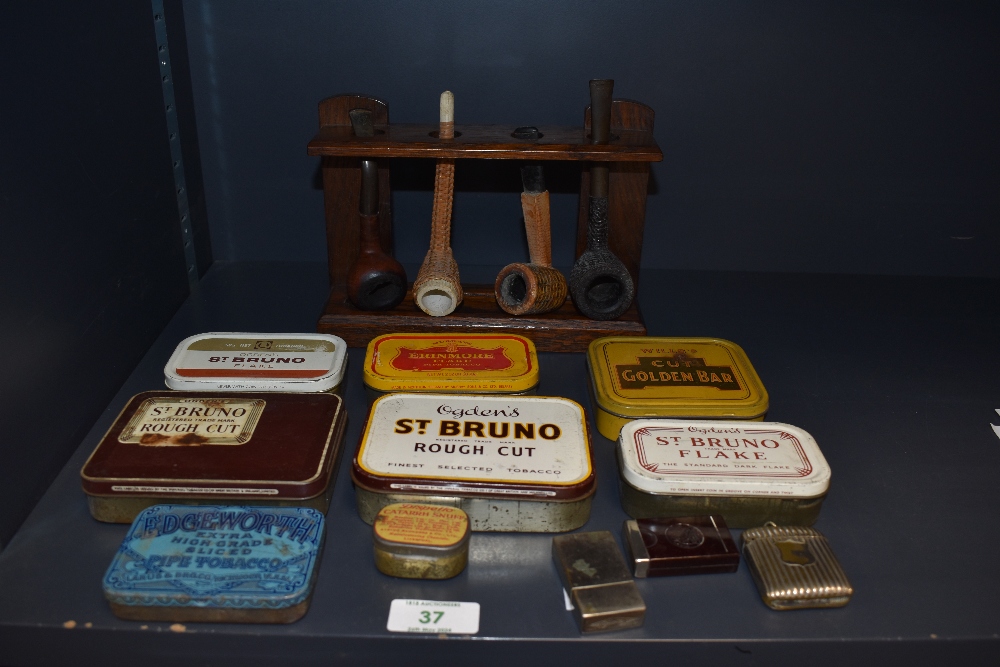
(437, 289)
(376, 280)
(527, 289)
(600, 285)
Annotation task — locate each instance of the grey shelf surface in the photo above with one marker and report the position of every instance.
(895, 377)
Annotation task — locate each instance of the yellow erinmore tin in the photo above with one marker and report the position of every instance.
(678, 378)
(494, 363)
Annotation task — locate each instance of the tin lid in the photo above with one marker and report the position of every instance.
(265, 446)
(495, 363)
(257, 362)
(721, 458)
(535, 448)
(674, 377)
(267, 560)
(417, 528)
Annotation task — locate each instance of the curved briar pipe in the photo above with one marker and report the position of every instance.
(376, 280)
(527, 289)
(601, 286)
(437, 289)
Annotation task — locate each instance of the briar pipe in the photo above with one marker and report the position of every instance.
(376, 280)
(601, 286)
(437, 289)
(527, 289)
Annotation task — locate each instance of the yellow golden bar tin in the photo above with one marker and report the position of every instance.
(512, 463)
(421, 541)
(677, 378)
(794, 568)
(748, 472)
(495, 363)
(230, 362)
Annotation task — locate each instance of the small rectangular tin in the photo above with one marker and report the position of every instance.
(210, 448)
(512, 463)
(257, 362)
(794, 568)
(685, 545)
(493, 363)
(216, 564)
(679, 378)
(421, 541)
(748, 472)
(598, 582)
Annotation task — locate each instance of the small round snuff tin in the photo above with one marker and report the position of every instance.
(671, 378)
(419, 541)
(287, 362)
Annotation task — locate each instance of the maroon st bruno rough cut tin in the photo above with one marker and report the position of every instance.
(214, 448)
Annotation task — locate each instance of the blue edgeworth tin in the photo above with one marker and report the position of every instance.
(217, 563)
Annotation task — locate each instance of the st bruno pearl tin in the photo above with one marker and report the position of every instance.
(211, 448)
(494, 363)
(257, 362)
(748, 472)
(216, 564)
(673, 378)
(512, 463)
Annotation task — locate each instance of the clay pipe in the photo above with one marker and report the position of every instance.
(437, 289)
(527, 289)
(600, 285)
(376, 280)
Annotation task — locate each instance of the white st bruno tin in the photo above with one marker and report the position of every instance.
(515, 463)
(749, 472)
(232, 361)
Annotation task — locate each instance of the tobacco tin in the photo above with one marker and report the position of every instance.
(794, 568)
(514, 463)
(216, 564)
(636, 377)
(685, 545)
(495, 363)
(421, 541)
(749, 472)
(598, 582)
(211, 448)
(257, 362)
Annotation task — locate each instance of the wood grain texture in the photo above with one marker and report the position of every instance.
(342, 187)
(627, 189)
(488, 141)
(561, 330)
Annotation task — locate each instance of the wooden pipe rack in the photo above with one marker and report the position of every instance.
(631, 150)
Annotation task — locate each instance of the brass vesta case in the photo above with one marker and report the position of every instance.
(794, 568)
(598, 582)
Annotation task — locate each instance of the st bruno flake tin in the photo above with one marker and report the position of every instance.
(216, 564)
(215, 448)
(748, 472)
(257, 362)
(513, 464)
(420, 541)
(674, 378)
(794, 568)
(494, 363)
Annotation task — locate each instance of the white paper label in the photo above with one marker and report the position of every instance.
(433, 617)
(297, 358)
(192, 422)
(477, 438)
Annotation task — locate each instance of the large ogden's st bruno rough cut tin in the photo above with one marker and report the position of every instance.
(514, 463)
(257, 362)
(673, 378)
(443, 364)
(210, 448)
(749, 472)
(216, 564)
